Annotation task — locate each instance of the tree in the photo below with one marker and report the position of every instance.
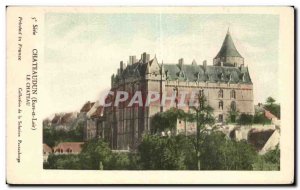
(165, 153)
(268, 161)
(119, 161)
(245, 119)
(63, 162)
(259, 118)
(52, 136)
(232, 115)
(204, 116)
(48, 137)
(167, 120)
(95, 154)
(270, 101)
(273, 107)
(221, 153)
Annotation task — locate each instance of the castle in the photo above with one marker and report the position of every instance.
(226, 85)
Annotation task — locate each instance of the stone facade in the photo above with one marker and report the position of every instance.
(226, 85)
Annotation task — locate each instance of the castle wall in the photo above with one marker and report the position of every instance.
(125, 126)
(130, 123)
(243, 96)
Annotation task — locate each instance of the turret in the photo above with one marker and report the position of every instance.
(228, 54)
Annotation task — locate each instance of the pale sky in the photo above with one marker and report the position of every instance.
(82, 51)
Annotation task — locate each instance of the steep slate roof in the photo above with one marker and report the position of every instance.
(87, 106)
(228, 48)
(193, 72)
(202, 73)
(135, 69)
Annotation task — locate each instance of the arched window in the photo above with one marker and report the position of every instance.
(201, 92)
(220, 93)
(221, 105)
(232, 94)
(233, 106)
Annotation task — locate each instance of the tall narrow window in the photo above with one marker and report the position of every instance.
(220, 118)
(220, 93)
(201, 104)
(201, 92)
(221, 105)
(232, 94)
(233, 106)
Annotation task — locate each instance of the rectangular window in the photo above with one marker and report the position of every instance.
(220, 118)
(221, 105)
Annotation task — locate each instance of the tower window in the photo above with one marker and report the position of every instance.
(220, 117)
(201, 92)
(232, 94)
(220, 93)
(233, 106)
(221, 105)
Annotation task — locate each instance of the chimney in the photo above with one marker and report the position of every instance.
(132, 60)
(145, 57)
(180, 62)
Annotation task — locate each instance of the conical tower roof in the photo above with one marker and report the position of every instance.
(228, 48)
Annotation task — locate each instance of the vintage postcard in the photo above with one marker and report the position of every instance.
(150, 95)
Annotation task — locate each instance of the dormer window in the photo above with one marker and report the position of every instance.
(244, 77)
(222, 77)
(230, 77)
(181, 74)
(198, 76)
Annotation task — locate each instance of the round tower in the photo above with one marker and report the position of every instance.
(228, 54)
